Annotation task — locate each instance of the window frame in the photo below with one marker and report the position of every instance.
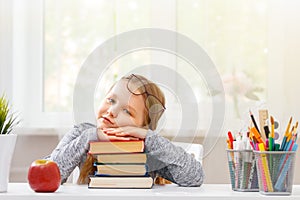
(28, 57)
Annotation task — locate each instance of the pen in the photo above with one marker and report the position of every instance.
(253, 120)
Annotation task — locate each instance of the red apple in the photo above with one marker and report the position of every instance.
(44, 176)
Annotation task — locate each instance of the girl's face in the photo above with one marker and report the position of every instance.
(121, 108)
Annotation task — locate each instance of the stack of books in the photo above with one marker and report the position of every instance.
(120, 164)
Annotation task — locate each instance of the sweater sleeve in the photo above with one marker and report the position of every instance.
(72, 149)
(172, 162)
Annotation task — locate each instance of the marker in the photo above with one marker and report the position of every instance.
(271, 142)
(230, 139)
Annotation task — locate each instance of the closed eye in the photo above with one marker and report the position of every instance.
(110, 100)
(127, 111)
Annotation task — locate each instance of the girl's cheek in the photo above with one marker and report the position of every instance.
(125, 120)
(102, 110)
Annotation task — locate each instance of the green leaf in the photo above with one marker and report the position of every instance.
(8, 120)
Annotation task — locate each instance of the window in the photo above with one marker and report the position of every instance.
(73, 29)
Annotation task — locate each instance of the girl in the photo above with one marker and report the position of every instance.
(130, 111)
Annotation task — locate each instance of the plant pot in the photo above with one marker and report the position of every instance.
(7, 147)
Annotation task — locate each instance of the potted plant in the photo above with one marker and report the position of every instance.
(8, 121)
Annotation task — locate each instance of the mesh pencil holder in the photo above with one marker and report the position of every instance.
(275, 171)
(242, 169)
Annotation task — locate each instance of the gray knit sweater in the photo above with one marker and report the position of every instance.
(164, 158)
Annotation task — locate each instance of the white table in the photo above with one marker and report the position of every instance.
(22, 191)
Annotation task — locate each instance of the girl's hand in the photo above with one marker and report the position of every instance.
(124, 132)
(101, 135)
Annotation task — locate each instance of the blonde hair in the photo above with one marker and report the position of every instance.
(150, 118)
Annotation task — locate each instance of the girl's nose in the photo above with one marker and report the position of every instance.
(112, 111)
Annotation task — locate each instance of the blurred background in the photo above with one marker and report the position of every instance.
(43, 43)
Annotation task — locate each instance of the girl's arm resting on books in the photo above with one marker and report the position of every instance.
(72, 149)
(172, 162)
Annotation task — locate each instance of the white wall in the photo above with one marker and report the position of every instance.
(284, 60)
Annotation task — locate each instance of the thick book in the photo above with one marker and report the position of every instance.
(122, 158)
(120, 182)
(101, 147)
(121, 170)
